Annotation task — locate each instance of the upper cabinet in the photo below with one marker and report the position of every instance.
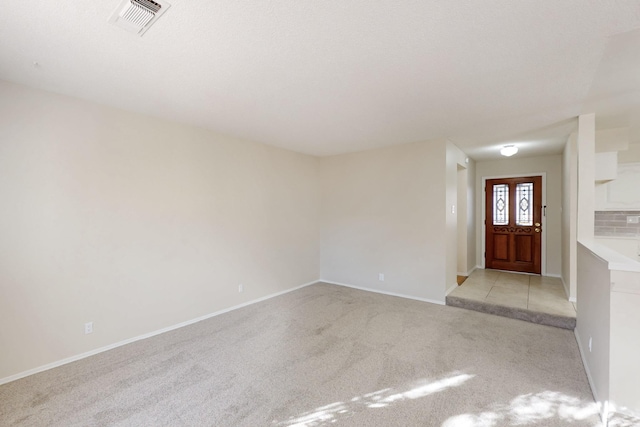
(622, 193)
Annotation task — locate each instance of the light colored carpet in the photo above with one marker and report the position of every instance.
(321, 355)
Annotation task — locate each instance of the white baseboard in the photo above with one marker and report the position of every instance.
(144, 336)
(602, 406)
(393, 294)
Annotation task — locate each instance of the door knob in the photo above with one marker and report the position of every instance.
(537, 230)
(537, 224)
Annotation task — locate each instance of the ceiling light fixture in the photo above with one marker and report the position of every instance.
(508, 150)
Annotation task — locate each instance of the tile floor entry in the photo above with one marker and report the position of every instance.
(535, 293)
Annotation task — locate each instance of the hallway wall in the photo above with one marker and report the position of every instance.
(569, 215)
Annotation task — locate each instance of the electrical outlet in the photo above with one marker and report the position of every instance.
(590, 342)
(381, 277)
(88, 328)
(240, 287)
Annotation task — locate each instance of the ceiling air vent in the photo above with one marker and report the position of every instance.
(137, 16)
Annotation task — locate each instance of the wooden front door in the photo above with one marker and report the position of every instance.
(513, 224)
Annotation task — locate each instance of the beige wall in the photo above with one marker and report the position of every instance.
(593, 321)
(625, 346)
(586, 149)
(137, 224)
(383, 212)
(569, 215)
(608, 316)
(552, 166)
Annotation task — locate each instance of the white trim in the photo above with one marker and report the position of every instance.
(468, 273)
(144, 336)
(602, 406)
(451, 288)
(543, 238)
(393, 294)
(523, 273)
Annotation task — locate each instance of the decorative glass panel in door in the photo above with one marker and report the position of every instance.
(524, 209)
(500, 204)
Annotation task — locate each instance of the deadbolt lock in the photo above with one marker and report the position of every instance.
(537, 224)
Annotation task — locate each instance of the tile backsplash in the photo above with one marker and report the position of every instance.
(614, 223)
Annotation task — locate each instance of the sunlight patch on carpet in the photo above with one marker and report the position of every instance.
(378, 399)
(528, 409)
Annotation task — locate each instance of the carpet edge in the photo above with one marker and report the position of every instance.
(376, 291)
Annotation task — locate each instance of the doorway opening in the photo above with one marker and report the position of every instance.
(462, 224)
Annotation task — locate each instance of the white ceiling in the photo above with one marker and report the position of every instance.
(333, 76)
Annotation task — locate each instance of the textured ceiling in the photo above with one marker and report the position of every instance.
(335, 76)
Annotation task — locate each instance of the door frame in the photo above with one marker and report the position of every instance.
(543, 238)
